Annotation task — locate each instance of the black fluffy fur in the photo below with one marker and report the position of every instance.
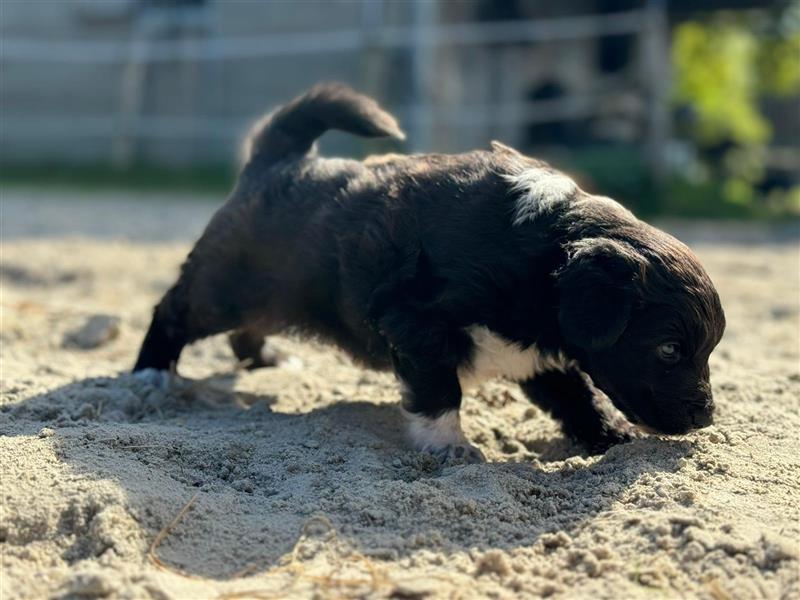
(392, 258)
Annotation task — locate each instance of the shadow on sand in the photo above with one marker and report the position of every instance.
(261, 474)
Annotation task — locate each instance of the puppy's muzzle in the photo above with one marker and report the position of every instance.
(703, 419)
(703, 407)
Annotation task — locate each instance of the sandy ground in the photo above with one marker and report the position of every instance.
(299, 481)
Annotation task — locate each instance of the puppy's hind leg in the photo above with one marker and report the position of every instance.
(167, 334)
(570, 399)
(213, 295)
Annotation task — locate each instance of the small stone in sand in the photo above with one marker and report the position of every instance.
(96, 331)
(419, 587)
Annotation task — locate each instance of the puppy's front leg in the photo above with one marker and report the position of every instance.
(431, 401)
(426, 355)
(569, 398)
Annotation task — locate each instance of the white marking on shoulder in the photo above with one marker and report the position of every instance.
(540, 188)
(444, 430)
(495, 356)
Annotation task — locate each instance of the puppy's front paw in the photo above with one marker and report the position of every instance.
(157, 378)
(600, 443)
(454, 454)
(442, 438)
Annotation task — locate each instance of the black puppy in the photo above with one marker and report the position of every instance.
(449, 270)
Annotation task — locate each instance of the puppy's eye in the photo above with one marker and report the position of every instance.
(670, 353)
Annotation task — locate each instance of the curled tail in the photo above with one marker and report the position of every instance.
(292, 129)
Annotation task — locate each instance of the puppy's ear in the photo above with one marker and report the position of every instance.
(597, 288)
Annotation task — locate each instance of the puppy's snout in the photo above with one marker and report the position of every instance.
(703, 407)
(704, 418)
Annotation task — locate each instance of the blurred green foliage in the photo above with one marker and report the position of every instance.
(724, 68)
(715, 74)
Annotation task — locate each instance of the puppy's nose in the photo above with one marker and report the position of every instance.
(703, 413)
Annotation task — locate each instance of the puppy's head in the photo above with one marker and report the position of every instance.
(642, 317)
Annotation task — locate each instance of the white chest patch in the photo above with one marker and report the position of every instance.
(495, 356)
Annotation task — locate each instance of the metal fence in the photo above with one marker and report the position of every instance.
(422, 39)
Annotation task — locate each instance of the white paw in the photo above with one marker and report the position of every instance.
(156, 378)
(163, 380)
(442, 438)
(462, 453)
